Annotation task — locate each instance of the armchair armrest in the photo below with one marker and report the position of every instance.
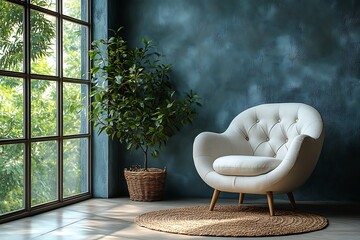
(207, 147)
(212, 145)
(298, 163)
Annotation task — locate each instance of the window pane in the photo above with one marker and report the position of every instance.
(11, 108)
(44, 183)
(11, 37)
(75, 51)
(48, 4)
(75, 166)
(43, 108)
(76, 9)
(43, 43)
(75, 108)
(11, 178)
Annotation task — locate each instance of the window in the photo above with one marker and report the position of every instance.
(44, 102)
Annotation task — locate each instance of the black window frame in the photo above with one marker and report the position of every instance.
(27, 76)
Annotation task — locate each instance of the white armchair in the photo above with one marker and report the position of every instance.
(267, 149)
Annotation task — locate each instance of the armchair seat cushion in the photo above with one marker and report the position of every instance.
(239, 165)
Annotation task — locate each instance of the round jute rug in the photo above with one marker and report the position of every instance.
(231, 221)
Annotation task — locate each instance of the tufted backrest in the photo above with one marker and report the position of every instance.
(268, 129)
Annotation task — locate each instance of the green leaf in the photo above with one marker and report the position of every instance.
(98, 97)
(118, 79)
(170, 105)
(155, 153)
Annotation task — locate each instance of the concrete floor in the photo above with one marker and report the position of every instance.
(114, 219)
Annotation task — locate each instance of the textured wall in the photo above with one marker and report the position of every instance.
(105, 153)
(100, 155)
(240, 53)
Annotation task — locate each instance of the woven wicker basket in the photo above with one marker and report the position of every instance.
(146, 186)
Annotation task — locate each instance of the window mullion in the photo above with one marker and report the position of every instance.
(60, 101)
(27, 108)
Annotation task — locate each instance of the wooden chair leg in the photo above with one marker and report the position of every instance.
(241, 198)
(292, 199)
(270, 202)
(214, 199)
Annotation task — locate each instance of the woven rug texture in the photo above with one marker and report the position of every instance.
(231, 221)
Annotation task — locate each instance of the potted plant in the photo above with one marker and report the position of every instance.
(135, 102)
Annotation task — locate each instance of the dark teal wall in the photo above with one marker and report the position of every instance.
(100, 174)
(240, 53)
(105, 152)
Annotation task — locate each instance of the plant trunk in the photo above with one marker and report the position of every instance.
(145, 160)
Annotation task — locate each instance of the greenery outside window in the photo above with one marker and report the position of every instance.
(44, 100)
